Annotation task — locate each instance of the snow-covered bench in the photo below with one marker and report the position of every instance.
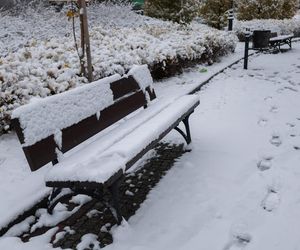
(277, 41)
(92, 119)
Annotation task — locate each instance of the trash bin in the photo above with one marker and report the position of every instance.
(261, 39)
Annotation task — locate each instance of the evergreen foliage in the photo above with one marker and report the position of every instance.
(266, 9)
(215, 12)
(180, 11)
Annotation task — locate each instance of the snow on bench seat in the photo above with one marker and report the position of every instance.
(280, 38)
(101, 159)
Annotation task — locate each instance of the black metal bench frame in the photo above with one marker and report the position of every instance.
(276, 44)
(128, 98)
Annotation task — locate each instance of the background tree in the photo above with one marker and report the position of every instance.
(289, 8)
(266, 9)
(215, 12)
(180, 11)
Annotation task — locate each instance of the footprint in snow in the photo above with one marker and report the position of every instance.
(268, 98)
(275, 140)
(238, 241)
(2, 160)
(271, 201)
(291, 125)
(286, 78)
(265, 163)
(297, 147)
(286, 88)
(274, 109)
(262, 122)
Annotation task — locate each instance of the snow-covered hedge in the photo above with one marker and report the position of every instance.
(286, 26)
(46, 67)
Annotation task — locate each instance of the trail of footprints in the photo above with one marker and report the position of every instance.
(271, 201)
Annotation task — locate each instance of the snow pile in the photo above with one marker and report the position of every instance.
(142, 75)
(282, 27)
(48, 62)
(46, 116)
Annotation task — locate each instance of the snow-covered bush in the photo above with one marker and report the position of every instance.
(286, 26)
(266, 9)
(119, 40)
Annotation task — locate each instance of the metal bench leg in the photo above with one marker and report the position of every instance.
(187, 129)
(187, 135)
(114, 190)
(55, 192)
(52, 205)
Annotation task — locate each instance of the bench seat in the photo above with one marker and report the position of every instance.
(115, 151)
(277, 41)
(281, 38)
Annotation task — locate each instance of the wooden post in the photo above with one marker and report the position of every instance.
(85, 41)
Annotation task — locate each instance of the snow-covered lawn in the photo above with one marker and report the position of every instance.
(38, 57)
(239, 186)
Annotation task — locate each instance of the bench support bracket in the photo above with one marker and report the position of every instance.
(187, 135)
(52, 202)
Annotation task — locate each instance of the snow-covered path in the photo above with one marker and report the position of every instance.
(239, 187)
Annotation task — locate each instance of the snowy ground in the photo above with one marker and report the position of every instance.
(38, 56)
(237, 189)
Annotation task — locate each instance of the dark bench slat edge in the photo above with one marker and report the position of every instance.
(123, 87)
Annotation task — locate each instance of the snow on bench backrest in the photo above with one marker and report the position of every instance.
(47, 116)
(60, 122)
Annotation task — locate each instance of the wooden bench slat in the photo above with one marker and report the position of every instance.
(124, 87)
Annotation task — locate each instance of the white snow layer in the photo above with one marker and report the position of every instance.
(142, 75)
(45, 116)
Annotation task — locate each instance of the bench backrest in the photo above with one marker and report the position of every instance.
(56, 124)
